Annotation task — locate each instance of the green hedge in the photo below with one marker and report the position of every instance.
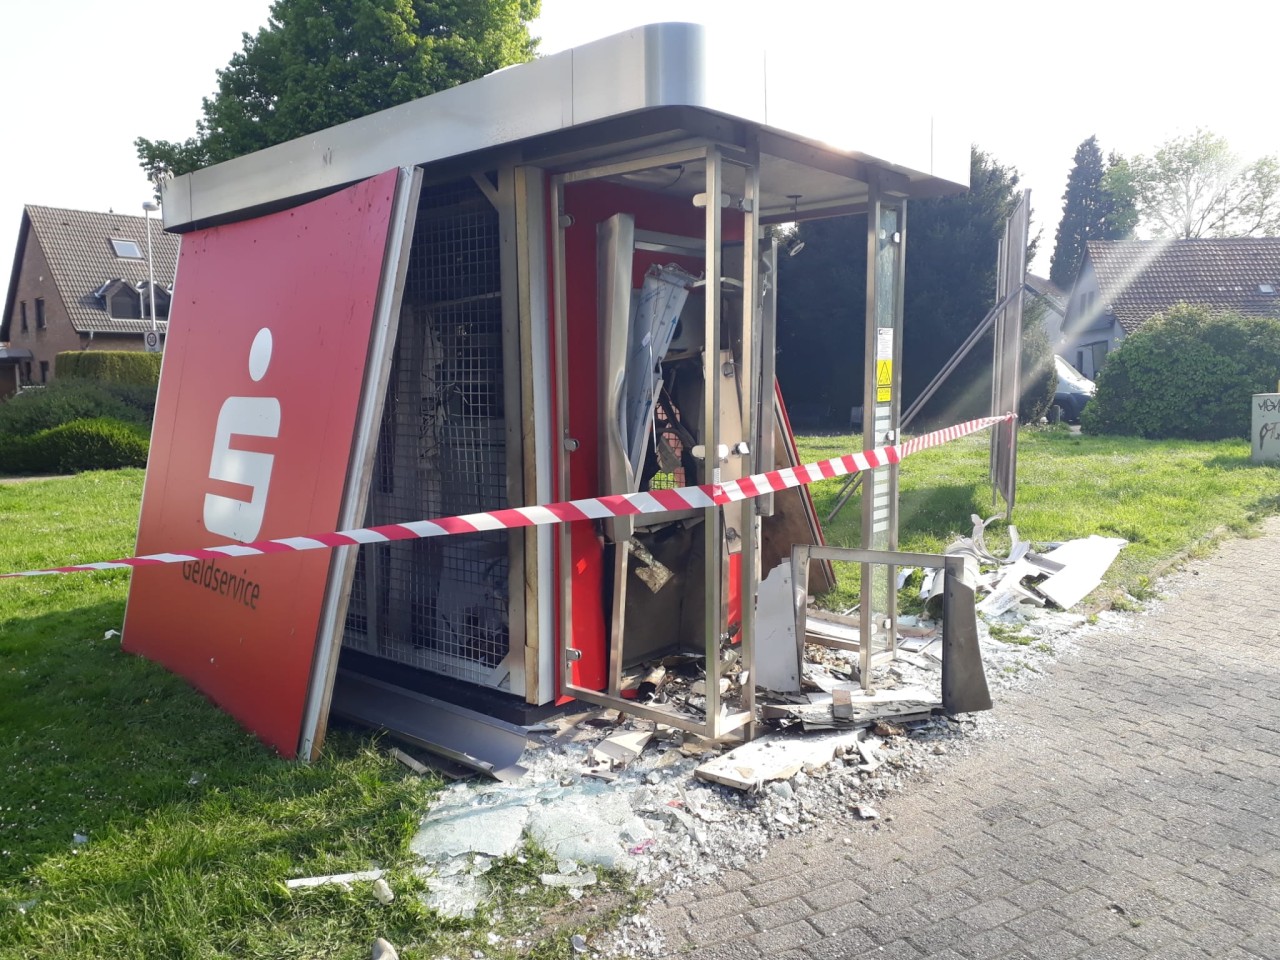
(64, 401)
(1187, 374)
(110, 366)
(99, 444)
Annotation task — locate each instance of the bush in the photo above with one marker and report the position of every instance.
(1186, 374)
(64, 401)
(98, 444)
(110, 366)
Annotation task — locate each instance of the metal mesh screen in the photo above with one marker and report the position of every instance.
(441, 604)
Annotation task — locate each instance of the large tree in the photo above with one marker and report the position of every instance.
(1196, 186)
(321, 62)
(1097, 205)
(950, 286)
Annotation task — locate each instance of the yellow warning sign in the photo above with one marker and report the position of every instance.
(884, 381)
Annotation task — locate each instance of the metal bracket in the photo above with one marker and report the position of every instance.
(964, 681)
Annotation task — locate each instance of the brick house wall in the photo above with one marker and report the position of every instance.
(35, 282)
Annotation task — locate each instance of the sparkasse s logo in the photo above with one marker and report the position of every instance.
(243, 417)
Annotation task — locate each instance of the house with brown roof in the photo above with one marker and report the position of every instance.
(79, 282)
(1124, 283)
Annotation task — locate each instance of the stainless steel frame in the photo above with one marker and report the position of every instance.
(886, 241)
(386, 322)
(1006, 373)
(713, 533)
(657, 69)
(538, 431)
(964, 681)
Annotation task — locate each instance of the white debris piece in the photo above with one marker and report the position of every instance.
(778, 653)
(1008, 592)
(578, 878)
(1086, 561)
(774, 757)
(333, 880)
(419, 768)
(382, 891)
(622, 748)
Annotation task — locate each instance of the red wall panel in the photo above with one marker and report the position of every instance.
(264, 366)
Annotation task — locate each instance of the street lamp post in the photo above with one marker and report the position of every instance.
(149, 207)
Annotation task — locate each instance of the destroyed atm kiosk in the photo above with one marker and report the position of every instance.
(552, 283)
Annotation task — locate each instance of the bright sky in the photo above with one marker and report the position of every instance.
(80, 79)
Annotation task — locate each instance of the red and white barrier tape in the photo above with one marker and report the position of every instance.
(616, 505)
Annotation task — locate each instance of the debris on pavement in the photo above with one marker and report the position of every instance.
(775, 757)
(622, 748)
(610, 791)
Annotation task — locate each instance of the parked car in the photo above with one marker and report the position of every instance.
(1074, 391)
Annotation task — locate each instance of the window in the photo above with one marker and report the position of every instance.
(124, 304)
(26, 371)
(44, 371)
(22, 307)
(1091, 357)
(39, 313)
(126, 249)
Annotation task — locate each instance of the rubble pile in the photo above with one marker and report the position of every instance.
(657, 820)
(606, 790)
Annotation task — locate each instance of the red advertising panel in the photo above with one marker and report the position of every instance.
(268, 339)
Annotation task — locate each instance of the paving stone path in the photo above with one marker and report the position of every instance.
(1133, 810)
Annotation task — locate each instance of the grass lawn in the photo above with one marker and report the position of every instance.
(192, 825)
(1167, 498)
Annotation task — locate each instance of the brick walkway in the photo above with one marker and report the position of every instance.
(1132, 811)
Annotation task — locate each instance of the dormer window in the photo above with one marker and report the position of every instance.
(126, 249)
(121, 298)
(1266, 288)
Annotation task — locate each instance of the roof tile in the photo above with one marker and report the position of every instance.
(1140, 278)
(77, 246)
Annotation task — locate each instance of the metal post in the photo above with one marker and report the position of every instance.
(148, 207)
(713, 537)
(751, 393)
(882, 375)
